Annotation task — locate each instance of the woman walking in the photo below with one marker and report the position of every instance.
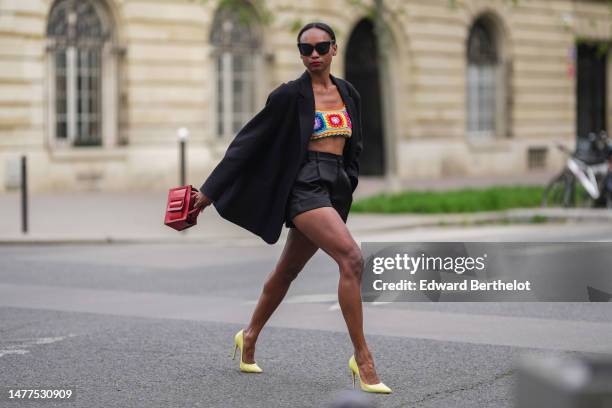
(282, 167)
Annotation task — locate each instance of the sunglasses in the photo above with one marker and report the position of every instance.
(321, 47)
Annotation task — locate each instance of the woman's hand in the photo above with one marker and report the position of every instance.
(201, 201)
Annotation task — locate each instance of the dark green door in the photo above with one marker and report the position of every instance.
(591, 88)
(362, 71)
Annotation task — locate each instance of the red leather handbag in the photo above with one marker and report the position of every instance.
(180, 213)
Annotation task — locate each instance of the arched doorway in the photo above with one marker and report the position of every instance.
(362, 70)
(591, 85)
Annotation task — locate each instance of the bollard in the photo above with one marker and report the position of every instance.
(564, 382)
(183, 133)
(24, 195)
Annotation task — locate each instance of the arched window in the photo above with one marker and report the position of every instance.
(482, 80)
(236, 54)
(79, 35)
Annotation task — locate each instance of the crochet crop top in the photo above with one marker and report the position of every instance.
(334, 122)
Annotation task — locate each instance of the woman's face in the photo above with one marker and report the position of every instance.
(316, 62)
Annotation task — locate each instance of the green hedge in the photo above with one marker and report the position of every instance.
(453, 201)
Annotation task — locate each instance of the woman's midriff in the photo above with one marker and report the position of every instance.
(332, 144)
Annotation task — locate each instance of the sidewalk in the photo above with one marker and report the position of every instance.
(97, 217)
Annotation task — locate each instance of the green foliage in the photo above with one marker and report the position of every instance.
(296, 25)
(453, 3)
(602, 46)
(538, 219)
(244, 10)
(454, 201)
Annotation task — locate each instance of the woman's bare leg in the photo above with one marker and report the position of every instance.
(324, 227)
(297, 251)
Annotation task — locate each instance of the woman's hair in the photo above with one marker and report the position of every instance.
(320, 25)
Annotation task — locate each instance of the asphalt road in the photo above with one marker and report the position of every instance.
(152, 326)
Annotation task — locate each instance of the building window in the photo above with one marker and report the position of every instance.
(236, 52)
(79, 37)
(482, 80)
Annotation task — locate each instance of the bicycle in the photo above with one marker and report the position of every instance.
(586, 179)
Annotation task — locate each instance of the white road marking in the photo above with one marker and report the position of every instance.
(514, 331)
(5, 352)
(22, 346)
(335, 306)
(313, 298)
(379, 303)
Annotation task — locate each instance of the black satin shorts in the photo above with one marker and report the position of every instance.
(321, 182)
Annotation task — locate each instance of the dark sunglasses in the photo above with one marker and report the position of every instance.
(321, 47)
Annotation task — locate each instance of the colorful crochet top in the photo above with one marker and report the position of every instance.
(334, 122)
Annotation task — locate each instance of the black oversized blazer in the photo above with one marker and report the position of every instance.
(250, 186)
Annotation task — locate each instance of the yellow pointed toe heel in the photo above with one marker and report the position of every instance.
(380, 387)
(244, 367)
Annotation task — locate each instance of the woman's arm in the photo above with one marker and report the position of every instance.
(353, 167)
(246, 143)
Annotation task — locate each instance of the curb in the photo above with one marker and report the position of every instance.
(519, 215)
(213, 242)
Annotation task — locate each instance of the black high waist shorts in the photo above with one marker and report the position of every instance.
(321, 182)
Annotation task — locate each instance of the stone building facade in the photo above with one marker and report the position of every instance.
(94, 91)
